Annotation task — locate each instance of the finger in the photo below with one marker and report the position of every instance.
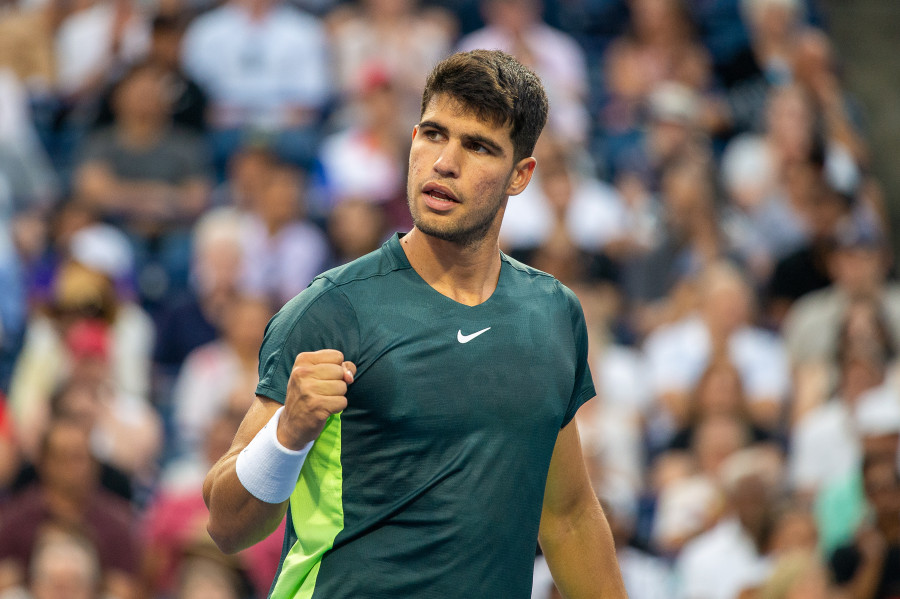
(326, 387)
(304, 375)
(349, 372)
(323, 356)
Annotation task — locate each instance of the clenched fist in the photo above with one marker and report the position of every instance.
(316, 390)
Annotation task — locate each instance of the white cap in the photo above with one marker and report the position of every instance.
(103, 248)
(878, 412)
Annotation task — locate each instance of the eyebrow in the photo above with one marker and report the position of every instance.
(467, 138)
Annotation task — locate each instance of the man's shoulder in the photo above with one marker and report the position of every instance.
(379, 263)
(523, 272)
(536, 284)
(338, 283)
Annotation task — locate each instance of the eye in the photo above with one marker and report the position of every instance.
(432, 134)
(479, 148)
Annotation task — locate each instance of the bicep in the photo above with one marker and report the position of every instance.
(568, 487)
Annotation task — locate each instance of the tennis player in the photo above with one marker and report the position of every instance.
(414, 415)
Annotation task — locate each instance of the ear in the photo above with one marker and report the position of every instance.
(521, 175)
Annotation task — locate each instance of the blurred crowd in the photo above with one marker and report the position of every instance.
(173, 171)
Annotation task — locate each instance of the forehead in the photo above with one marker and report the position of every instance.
(453, 114)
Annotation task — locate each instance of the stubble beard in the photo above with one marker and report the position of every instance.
(468, 231)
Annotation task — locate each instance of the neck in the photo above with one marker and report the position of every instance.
(467, 274)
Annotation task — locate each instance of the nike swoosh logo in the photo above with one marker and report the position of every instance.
(466, 338)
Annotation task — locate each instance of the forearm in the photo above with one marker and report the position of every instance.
(237, 519)
(581, 554)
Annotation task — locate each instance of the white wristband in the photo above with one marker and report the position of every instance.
(268, 469)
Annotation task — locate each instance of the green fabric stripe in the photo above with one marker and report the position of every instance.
(317, 514)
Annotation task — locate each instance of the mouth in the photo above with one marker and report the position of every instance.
(438, 197)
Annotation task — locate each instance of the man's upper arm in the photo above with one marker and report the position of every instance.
(568, 488)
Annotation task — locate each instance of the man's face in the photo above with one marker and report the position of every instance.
(461, 171)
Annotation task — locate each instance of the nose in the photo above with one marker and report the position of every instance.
(447, 163)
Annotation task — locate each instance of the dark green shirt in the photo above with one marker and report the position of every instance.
(430, 483)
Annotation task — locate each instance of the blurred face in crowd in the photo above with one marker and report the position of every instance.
(726, 300)
(385, 9)
(717, 438)
(771, 20)
(143, 96)
(356, 227)
(64, 567)
(244, 323)
(720, 391)
(687, 195)
(66, 463)
(654, 18)
(512, 15)
(859, 271)
(790, 123)
(280, 198)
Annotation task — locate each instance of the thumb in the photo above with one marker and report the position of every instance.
(349, 372)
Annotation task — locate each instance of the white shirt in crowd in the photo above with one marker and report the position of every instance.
(258, 71)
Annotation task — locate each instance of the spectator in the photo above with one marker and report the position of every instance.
(867, 568)
(177, 514)
(148, 176)
(68, 492)
(679, 353)
(246, 174)
(126, 432)
(83, 289)
(196, 316)
(214, 371)
(26, 45)
(207, 572)
(283, 251)
(188, 100)
(565, 201)
(28, 183)
(12, 305)
(840, 505)
(9, 451)
(806, 269)
(719, 392)
(366, 160)
(264, 65)
(773, 27)
(657, 281)
(355, 228)
(825, 441)
(731, 557)
(95, 43)
(64, 565)
(658, 50)
(396, 38)
(858, 266)
(515, 26)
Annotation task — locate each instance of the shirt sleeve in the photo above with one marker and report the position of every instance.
(583, 388)
(321, 317)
